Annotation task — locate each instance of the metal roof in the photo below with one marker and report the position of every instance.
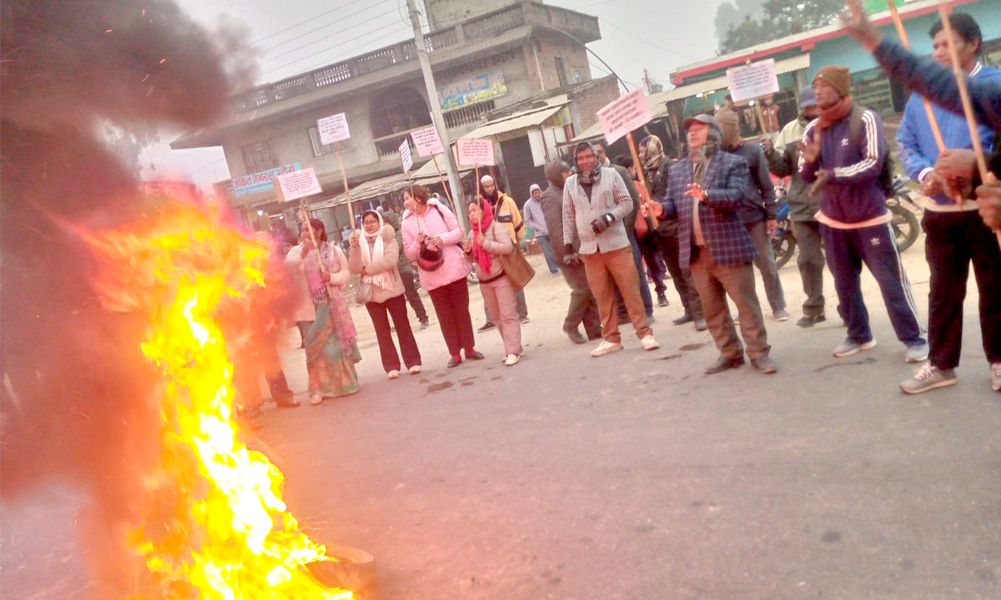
(784, 65)
(521, 120)
(374, 188)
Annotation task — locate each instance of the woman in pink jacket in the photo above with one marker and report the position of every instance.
(431, 236)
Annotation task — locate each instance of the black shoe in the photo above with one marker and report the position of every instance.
(474, 355)
(723, 364)
(764, 365)
(700, 324)
(683, 319)
(487, 326)
(662, 300)
(454, 362)
(810, 321)
(575, 336)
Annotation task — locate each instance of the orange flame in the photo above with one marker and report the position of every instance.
(216, 527)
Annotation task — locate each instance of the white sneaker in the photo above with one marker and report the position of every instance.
(928, 378)
(414, 370)
(512, 360)
(605, 348)
(393, 375)
(996, 377)
(649, 343)
(848, 348)
(916, 354)
(315, 399)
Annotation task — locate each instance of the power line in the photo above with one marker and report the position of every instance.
(297, 48)
(655, 45)
(327, 49)
(337, 22)
(291, 27)
(349, 52)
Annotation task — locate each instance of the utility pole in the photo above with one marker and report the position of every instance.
(439, 121)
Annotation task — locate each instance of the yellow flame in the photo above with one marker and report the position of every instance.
(218, 527)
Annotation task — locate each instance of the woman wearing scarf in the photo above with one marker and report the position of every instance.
(486, 242)
(331, 347)
(374, 256)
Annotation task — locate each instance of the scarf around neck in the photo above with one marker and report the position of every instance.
(593, 176)
(375, 253)
(654, 153)
(832, 114)
(480, 226)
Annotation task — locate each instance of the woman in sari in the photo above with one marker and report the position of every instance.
(331, 347)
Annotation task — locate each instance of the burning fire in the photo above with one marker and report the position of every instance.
(215, 523)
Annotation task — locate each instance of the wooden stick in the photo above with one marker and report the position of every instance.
(444, 186)
(347, 189)
(478, 201)
(964, 95)
(644, 191)
(936, 131)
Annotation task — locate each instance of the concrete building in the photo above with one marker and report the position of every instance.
(493, 61)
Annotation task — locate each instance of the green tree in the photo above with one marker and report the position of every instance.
(778, 18)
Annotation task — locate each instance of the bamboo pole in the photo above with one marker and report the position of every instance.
(347, 189)
(444, 185)
(964, 94)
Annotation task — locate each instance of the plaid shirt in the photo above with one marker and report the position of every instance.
(726, 237)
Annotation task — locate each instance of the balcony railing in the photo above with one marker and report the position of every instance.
(528, 12)
(389, 146)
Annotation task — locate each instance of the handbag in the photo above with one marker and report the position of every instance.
(517, 268)
(428, 259)
(364, 293)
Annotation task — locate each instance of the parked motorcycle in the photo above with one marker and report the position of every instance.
(906, 226)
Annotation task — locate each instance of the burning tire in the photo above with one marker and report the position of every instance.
(354, 570)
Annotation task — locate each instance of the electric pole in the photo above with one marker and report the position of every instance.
(439, 121)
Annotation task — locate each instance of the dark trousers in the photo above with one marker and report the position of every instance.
(583, 307)
(519, 297)
(413, 297)
(766, 264)
(953, 240)
(875, 246)
(620, 304)
(811, 265)
(451, 304)
(684, 283)
(303, 328)
(715, 282)
(651, 256)
(380, 313)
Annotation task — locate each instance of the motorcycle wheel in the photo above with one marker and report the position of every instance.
(905, 225)
(784, 247)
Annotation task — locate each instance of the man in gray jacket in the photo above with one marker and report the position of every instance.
(595, 201)
(583, 308)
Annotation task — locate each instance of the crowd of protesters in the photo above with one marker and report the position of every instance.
(704, 222)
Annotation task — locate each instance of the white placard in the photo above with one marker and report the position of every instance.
(627, 113)
(333, 128)
(408, 160)
(428, 141)
(753, 80)
(475, 151)
(299, 184)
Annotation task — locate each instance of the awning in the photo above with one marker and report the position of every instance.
(527, 119)
(374, 188)
(785, 65)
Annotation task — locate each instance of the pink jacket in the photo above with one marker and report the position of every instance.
(439, 221)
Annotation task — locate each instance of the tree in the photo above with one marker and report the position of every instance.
(776, 19)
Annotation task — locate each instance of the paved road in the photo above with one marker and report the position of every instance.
(633, 476)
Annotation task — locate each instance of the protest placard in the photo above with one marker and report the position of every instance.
(753, 80)
(299, 184)
(625, 114)
(408, 160)
(333, 128)
(428, 141)
(475, 151)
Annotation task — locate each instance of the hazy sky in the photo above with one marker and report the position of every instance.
(659, 35)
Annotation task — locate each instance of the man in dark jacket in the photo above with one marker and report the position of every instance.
(845, 166)
(407, 271)
(583, 307)
(760, 209)
(707, 190)
(784, 162)
(656, 166)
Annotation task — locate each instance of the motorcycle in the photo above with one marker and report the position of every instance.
(906, 226)
(784, 240)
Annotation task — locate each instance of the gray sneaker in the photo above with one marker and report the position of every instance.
(928, 378)
(916, 354)
(848, 348)
(996, 377)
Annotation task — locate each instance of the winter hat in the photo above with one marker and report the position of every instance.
(715, 136)
(837, 76)
(555, 170)
(533, 187)
(729, 122)
(807, 98)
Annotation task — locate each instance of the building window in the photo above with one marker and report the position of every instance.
(398, 110)
(579, 75)
(561, 71)
(319, 149)
(260, 156)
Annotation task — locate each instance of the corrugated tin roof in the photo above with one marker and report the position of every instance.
(515, 122)
(784, 65)
(374, 188)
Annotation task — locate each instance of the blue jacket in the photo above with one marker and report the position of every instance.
(853, 194)
(937, 83)
(916, 145)
(726, 237)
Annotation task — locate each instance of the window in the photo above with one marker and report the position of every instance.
(260, 156)
(545, 144)
(561, 71)
(319, 149)
(398, 110)
(579, 75)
